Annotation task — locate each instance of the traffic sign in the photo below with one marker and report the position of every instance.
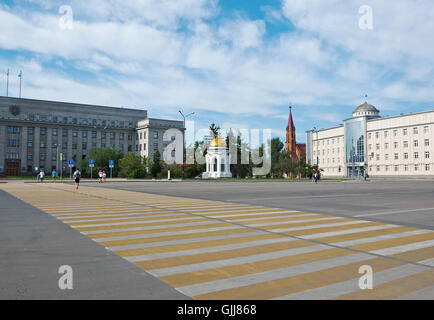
(111, 163)
(70, 163)
(91, 163)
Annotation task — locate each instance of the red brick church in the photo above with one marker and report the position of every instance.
(296, 150)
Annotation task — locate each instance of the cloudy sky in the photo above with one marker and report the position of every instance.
(238, 63)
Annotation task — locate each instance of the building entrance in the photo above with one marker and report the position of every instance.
(358, 172)
(12, 168)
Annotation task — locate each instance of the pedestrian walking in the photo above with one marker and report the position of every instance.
(104, 175)
(54, 175)
(41, 176)
(316, 176)
(77, 175)
(100, 176)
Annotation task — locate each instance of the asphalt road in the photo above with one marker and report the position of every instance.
(406, 202)
(33, 245)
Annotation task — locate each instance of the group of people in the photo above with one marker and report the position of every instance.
(101, 176)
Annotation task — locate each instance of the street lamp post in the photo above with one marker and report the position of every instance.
(183, 140)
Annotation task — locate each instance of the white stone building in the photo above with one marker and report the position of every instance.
(393, 146)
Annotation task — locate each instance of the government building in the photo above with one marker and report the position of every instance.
(34, 133)
(397, 146)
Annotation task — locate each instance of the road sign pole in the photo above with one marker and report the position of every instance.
(111, 173)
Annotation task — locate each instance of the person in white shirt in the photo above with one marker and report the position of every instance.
(41, 176)
(77, 175)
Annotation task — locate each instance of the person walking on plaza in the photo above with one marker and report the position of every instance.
(315, 177)
(104, 175)
(77, 175)
(99, 176)
(54, 175)
(41, 175)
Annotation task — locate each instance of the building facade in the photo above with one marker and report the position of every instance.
(34, 133)
(367, 143)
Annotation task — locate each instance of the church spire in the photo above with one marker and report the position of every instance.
(290, 121)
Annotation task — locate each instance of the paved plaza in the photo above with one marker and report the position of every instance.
(218, 240)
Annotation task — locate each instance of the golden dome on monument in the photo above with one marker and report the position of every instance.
(218, 142)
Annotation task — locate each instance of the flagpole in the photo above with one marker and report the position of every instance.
(7, 84)
(20, 76)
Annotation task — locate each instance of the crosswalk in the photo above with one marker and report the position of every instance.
(219, 250)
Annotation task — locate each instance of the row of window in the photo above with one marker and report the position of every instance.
(395, 132)
(329, 141)
(404, 143)
(406, 167)
(142, 135)
(84, 133)
(93, 122)
(338, 150)
(406, 156)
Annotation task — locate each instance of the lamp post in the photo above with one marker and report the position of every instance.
(183, 140)
(317, 156)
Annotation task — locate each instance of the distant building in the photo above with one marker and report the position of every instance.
(297, 150)
(33, 133)
(217, 160)
(393, 146)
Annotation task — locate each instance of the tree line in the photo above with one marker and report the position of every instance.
(283, 164)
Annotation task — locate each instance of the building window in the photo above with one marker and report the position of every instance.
(426, 142)
(93, 134)
(31, 117)
(404, 132)
(406, 167)
(42, 157)
(43, 131)
(396, 168)
(84, 122)
(74, 120)
(405, 144)
(426, 154)
(369, 136)
(130, 137)
(44, 118)
(155, 146)
(53, 157)
(42, 144)
(74, 146)
(415, 130)
(102, 145)
(54, 145)
(406, 155)
(84, 134)
(386, 157)
(84, 146)
(54, 132)
(416, 155)
(54, 119)
(103, 123)
(377, 135)
(130, 148)
(386, 133)
(396, 156)
(378, 157)
(395, 133)
(112, 124)
(427, 167)
(65, 119)
(378, 168)
(64, 145)
(29, 157)
(416, 167)
(103, 134)
(74, 133)
(112, 135)
(386, 146)
(65, 132)
(121, 136)
(387, 168)
(30, 131)
(13, 143)
(395, 145)
(426, 129)
(416, 143)
(94, 122)
(30, 143)
(155, 134)
(377, 146)
(122, 124)
(144, 147)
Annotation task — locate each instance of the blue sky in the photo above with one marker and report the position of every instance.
(236, 63)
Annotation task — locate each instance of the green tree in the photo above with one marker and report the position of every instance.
(102, 156)
(156, 165)
(133, 166)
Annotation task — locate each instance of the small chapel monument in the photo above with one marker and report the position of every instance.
(217, 160)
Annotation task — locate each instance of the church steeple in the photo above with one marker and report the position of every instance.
(290, 145)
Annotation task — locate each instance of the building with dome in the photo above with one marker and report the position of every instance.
(380, 146)
(217, 160)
